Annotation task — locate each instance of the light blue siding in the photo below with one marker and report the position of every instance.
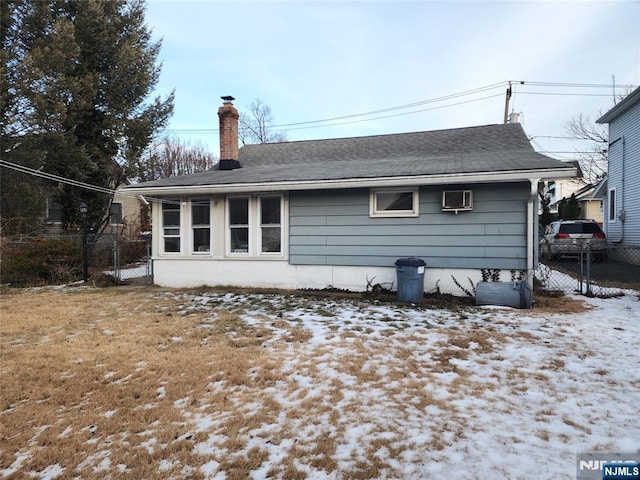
(627, 182)
(334, 228)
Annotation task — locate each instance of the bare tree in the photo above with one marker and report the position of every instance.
(593, 161)
(256, 126)
(171, 157)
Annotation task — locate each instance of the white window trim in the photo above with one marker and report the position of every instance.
(373, 207)
(615, 206)
(259, 225)
(192, 227)
(181, 229)
(464, 208)
(255, 228)
(227, 228)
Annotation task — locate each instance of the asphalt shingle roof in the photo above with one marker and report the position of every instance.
(484, 149)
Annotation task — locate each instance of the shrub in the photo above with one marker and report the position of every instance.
(42, 261)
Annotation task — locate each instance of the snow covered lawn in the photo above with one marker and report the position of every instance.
(148, 383)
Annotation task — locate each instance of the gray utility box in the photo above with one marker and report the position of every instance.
(410, 273)
(508, 294)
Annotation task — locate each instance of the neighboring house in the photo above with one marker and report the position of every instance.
(590, 200)
(622, 202)
(591, 203)
(557, 189)
(340, 212)
(125, 215)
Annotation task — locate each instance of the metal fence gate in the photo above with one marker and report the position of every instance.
(132, 261)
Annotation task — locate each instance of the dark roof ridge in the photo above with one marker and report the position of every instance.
(385, 135)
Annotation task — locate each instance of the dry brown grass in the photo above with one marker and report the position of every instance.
(87, 369)
(547, 304)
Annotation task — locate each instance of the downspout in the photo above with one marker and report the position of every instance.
(532, 231)
(621, 200)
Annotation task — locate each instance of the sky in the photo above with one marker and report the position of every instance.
(311, 61)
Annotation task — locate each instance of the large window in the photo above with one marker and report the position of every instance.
(239, 224)
(612, 205)
(270, 224)
(394, 203)
(201, 225)
(171, 226)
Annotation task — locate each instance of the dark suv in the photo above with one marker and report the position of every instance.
(570, 237)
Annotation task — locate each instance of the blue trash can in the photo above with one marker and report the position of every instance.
(410, 274)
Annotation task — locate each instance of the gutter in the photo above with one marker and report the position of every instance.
(379, 182)
(532, 230)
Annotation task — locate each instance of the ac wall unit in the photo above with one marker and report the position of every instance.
(457, 201)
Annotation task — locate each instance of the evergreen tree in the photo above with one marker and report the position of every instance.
(545, 217)
(77, 76)
(569, 208)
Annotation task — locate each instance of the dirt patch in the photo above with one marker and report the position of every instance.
(559, 304)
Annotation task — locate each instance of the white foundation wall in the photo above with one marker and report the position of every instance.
(186, 273)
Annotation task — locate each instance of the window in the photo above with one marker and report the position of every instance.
(115, 217)
(457, 200)
(171, 226)
(54, 211)
(201, 225)
(239, 224)
(270, 224)
(612, 205)
(394, 203)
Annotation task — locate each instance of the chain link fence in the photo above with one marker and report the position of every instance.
(132, 260)
(602, 273)
(44, 259)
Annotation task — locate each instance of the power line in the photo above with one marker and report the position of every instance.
(313, 123)
(401, 114)
(74, 183)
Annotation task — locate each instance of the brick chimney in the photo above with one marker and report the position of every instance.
(228, 115)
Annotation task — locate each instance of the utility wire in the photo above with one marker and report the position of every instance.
(75, 183)
(310, 123)
(400, 114)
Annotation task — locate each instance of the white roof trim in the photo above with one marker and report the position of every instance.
(413, 180)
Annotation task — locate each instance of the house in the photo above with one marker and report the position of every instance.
(589, 198)
(622, 201)
(591, 203)
(557, 189)
(124, 215)
(340, 212)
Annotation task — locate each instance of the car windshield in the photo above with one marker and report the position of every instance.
(580, 228)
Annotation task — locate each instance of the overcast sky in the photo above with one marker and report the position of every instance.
(321, 60)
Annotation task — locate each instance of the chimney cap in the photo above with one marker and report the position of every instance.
(227, 99)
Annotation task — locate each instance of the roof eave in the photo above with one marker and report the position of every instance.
(412, 180)
(622, 106)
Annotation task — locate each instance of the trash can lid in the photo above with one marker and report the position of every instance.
(410, 262)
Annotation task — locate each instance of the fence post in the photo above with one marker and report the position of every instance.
(116, 259)
(149, 264)
(588, 293)
(581, 269)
